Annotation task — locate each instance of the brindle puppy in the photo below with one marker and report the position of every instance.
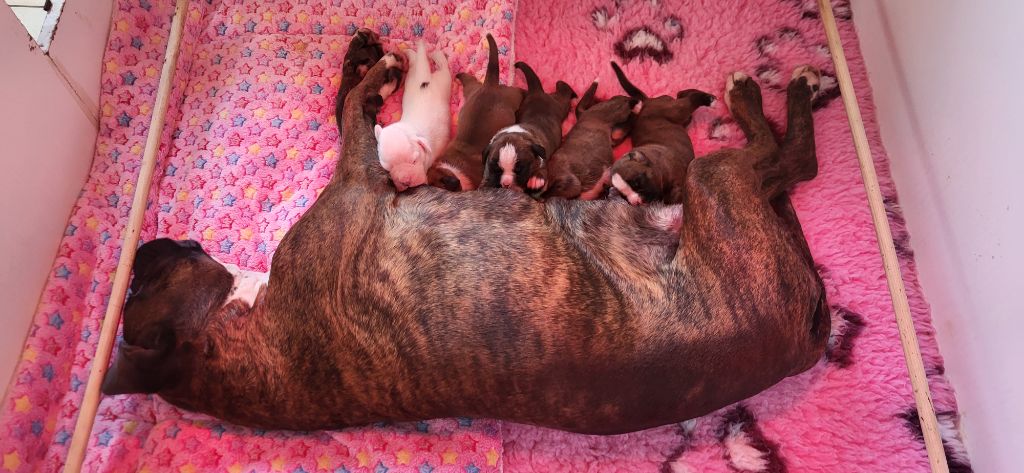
(580, 167)
(515, 157)
(385, 306)
(488, 108)
(655, 169)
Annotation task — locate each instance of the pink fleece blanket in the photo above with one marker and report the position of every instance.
(250, 141)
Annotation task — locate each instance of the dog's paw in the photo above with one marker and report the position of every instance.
(363, 52)
(734, 84)
(394, 70)
(811, 75)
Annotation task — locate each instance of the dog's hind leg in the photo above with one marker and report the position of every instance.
(743, 97)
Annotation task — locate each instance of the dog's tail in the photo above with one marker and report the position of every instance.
(587, 100)
(628, 86)
(532, 81)
(492, 61)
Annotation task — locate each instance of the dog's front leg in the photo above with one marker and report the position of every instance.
(359, 162)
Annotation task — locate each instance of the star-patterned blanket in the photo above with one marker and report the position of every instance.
(250, 141)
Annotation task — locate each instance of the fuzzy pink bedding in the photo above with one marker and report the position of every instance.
(251, 139)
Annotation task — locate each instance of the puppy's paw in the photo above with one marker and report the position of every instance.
(811, 75)
(535, 183)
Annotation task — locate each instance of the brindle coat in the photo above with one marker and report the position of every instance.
(594, 317)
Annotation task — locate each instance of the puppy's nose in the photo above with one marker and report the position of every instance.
(506, 181)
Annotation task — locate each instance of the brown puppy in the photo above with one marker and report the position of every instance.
(386, 306)
(488, 108)
(515, 157)
(580, 167)
(655, 169)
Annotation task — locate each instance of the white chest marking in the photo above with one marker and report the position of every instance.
(247, 284)
(507, 163)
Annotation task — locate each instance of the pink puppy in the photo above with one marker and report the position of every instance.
(407, 148)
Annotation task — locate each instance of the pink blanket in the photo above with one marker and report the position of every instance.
(250, 141)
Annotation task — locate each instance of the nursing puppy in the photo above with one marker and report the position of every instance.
(655, 169)
(387, 306)
(580, 167)
(407, 147)
(488, 107)
(515, 157)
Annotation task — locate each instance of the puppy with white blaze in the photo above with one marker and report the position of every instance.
(407, 147)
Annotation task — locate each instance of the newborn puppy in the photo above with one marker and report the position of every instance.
(407, 147)
(655, 169)
(580, 167)
(488, 108)
(514, 159)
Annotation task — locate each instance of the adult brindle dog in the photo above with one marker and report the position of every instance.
(595, 317)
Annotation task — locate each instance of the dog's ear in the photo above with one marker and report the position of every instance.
(539, 151)
(637, 157)
(451, 183)
(424, 147)
(139, 369)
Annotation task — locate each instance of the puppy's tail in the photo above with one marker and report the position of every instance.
(492, 61)
(532, 81)
(628, 86)
(587, 100)
(565, 90)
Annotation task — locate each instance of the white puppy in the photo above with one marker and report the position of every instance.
(407, 147)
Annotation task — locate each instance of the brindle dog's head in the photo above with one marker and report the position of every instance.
(176, 285)
(515, 160)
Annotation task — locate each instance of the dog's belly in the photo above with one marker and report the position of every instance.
(561, 326)
(574, 324)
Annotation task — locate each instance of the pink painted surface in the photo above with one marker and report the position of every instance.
(252, 144)
(47, 141)
(958, 164)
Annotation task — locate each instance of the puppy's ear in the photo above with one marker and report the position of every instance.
(451, 183)
(539, 151)
(423, 146)
(376, 131)
(637, 157)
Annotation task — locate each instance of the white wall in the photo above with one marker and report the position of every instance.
(47, 138)
(946, 76)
